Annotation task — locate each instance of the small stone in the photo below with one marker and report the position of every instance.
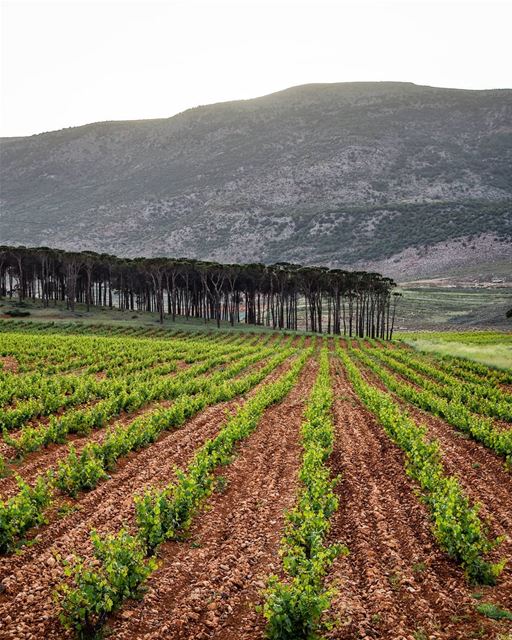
(212, 622)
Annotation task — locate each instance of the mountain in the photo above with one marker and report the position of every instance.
(412, 180)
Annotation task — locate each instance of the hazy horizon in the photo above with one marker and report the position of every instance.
(67, 64)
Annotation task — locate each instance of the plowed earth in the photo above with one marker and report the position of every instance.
(208, 586)
(484, 478)
(40, 461)
(28, 580)
(499, 424)
(396, 583)
(9, 364)
(481, 472)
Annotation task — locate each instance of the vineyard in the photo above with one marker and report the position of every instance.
(236, 485)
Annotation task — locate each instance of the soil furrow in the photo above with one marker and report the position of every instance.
(26, 606)
(208, 587)
(485, 480)
(40, 461)
(396, 582)
(498, 424)
(9, 364)
(481, 473)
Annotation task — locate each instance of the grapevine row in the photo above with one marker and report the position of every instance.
(96, 588)
(51, 354)
(84, 471)
(482, 399)
(455, 522)
(455, 413)
(126, 394)
(293, 606)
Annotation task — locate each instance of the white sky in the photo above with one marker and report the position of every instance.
(73, 62)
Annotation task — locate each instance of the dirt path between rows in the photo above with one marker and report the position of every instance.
(26, 607)
(485, 480)
(498, 423)
(481, 473)
(42, 421)
(9, 364)
(47, 457)
(209, 587)
(396, 583)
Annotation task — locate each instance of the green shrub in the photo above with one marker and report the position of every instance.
(22, 511)
(293, 606)
(99, 588)
(80, 472)
(294, 610)
(493, 611)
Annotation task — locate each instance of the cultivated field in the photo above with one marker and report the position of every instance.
(453, 308)
(488, 347)
(179, 485)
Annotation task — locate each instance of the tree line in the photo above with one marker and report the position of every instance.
(281, 295)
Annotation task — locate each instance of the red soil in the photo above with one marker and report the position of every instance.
(29, 579)
(236, 539)
(9, 364)
(396, 580)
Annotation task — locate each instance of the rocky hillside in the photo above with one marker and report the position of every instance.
(412, 180)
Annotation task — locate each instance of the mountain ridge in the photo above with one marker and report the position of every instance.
(293, 88)
(339, 174)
